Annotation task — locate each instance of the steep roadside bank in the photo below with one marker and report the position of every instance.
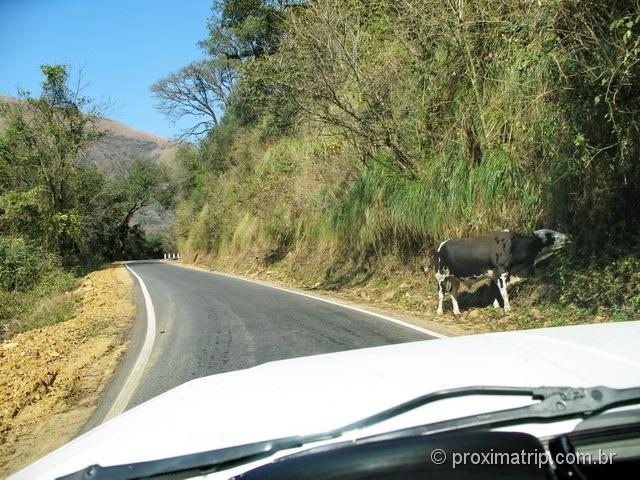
(51, 378)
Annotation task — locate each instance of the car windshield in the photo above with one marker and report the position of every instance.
(227, 222)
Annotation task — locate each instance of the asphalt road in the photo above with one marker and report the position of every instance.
(208, 323)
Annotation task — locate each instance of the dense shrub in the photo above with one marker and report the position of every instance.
(24, 265)
(33, 287)
(606, 282)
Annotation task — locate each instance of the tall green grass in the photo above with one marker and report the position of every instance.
(450, 198)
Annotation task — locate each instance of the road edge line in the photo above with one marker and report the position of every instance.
(126, 392)
(426, 331)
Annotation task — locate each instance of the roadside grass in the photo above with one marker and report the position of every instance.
(52, 301)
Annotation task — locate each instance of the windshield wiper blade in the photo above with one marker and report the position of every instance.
(187, 466)
(555, 403)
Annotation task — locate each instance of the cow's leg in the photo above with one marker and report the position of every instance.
(441, 279)
(495, 292)
(454, 293)
(501, 281)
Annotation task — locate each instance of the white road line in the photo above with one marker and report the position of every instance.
(326, 300)
(143, 357)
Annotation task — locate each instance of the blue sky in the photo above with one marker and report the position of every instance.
(121, 46)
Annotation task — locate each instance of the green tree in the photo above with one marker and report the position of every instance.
(47, 191)
(240, 32)
(246, 29)
(145, 183)
(51, 195)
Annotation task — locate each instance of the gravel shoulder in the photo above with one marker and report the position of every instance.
(52, 378)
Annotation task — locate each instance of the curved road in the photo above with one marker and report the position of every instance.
(207, 323)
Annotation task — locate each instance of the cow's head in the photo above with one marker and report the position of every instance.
(551, 241)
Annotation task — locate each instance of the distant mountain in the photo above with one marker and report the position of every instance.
(4, 99)
(122, 144)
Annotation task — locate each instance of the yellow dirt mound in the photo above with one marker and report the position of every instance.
(51, 378)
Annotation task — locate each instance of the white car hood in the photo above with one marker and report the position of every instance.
(321, 392)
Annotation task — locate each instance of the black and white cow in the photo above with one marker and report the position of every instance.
(503, 257)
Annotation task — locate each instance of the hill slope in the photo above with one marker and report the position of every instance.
(122, 144)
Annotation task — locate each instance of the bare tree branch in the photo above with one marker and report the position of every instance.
(200, 89)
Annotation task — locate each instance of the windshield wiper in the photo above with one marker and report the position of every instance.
(555, 403)
(187, 466)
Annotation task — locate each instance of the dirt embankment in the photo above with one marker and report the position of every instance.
(51, 378)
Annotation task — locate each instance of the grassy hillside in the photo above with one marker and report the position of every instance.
(370, 131)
